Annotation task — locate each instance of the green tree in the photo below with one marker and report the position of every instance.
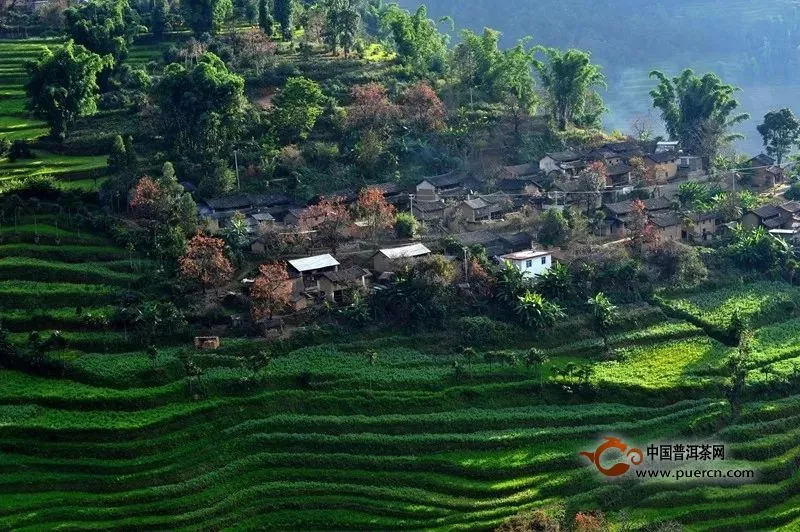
(697, 111)
(537, 358)
(406, 225)
(105, 27)
(780, 131)
(569, 78)
(117, 161)
(63, 85)
(418, 42)
(556, 283)
(265, 20)
(342, 23)
(297, 107)
(284, 16)
(604, 315)
(512, 83)
(554, 230)
(158, 20)
(200, 107)
(206, 16)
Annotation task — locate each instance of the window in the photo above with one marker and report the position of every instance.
(529, 264)
(544, 260)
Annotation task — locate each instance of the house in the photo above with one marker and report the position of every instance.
(441, 186)
(306, 271)
(530, 262)
(664, 166)
(519, 187)
(771, 217)
(568, 162)
(690, 166)
(338, 286)
(392, 259)
(669, 225)
(619, 174)
(217, 212)
(479, 209)
(704, 226)
(428, 210)
(763, 171)
(393, 193)
(618, 215)
(663, 146)
(521, 171)
(259, 222)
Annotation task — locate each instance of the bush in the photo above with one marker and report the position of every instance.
(406, 225)
(20, 150)
(5, 146)
(483, 331)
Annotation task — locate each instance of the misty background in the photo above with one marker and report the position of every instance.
(752, 44)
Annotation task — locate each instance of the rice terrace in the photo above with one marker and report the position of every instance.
(334, 265)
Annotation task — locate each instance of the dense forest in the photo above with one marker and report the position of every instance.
(753, 45)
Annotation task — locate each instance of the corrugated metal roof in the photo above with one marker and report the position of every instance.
(314, 263)
(414, 250)
(525, 255)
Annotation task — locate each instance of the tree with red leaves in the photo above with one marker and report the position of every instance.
(271, 291)
(641, 171)
(371, 108)
(374, 209)
(641, 230)
(206, 261)
(422, 108)
(147, 199)
(329, 218)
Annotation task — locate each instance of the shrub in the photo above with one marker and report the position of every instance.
(483, 331)
(406, 225)
(20, 150)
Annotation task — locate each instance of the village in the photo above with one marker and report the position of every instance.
(459, 213)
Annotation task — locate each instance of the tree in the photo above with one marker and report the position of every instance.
(374, 209)
(694, 195)
(206, 16)
(512, 83)
(537, 358)
(757, 249)
(569, 79)
(342, 23)
(200, 107)
(117, 161)
(297, 107)
(405, 225)
(536, 312)
(642, 173)
(593, 179)
(265, 20)
(371, 108)
(63, 85)
(738, 365)
(556, 283)
(421, 108)
(236, 237)
(697, 111)
(206, 262)
(329, 218)
(780, 131)
(641, 230)
(158, 20)
(105, 27)
(284, 16)
(604, 314)
(271, 290)
(554, 230)
(728, 206)
(417, 40)
(149, 200)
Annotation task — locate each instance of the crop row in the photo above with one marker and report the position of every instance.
(27, 269)
(30, 294)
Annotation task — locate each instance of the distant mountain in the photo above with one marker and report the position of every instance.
(752, 44)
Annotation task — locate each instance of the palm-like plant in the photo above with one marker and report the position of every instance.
(604, 314)
(537, 358)
(536, 312)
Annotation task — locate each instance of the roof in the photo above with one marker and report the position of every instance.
(428, 206)
(388, 188)
(776, 221)
(622, 146)
(701, 216)
(350, 274)
(525, 255)
(263, 217)
(477, 237)
(762, 160)
(518, 240)
(445, 180)
(790, 206)
(522, 169)
(516, 185)
(269, 200)
(478, 203)
(618, 169)
(317, 262)
(766, 211)
(563, 156)
(413, 250)
(663, 157)
(231, 202)
(666, 218)
(652, 204)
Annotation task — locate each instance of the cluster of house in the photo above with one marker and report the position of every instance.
(323, 277)
(781, 220)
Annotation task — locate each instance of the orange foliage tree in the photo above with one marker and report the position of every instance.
(371, 108)
(422, 108)
(271, 291)
(641, 229)
(147, 199)
(329, 218)
(642, 172)
(206, 262)
(375, 210)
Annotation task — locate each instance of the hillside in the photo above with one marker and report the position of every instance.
(752, 45)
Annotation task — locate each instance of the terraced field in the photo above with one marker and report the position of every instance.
(327, 437)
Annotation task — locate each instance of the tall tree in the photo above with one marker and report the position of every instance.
(378, 214)
(512, 83)
(697, 111)
(329, 218)
(422, 108)
(604, 314)
(271, 290)
(419, 43)
(265, 20)
(284, 16)
(63, 85)
(780, 131)
(371, 108)
(570, 79)
(206, 262)
(342, 24)
(593, 179)
(103, 26)
(206, 16)
(199, 107)
(158, 20)
(297, 107)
